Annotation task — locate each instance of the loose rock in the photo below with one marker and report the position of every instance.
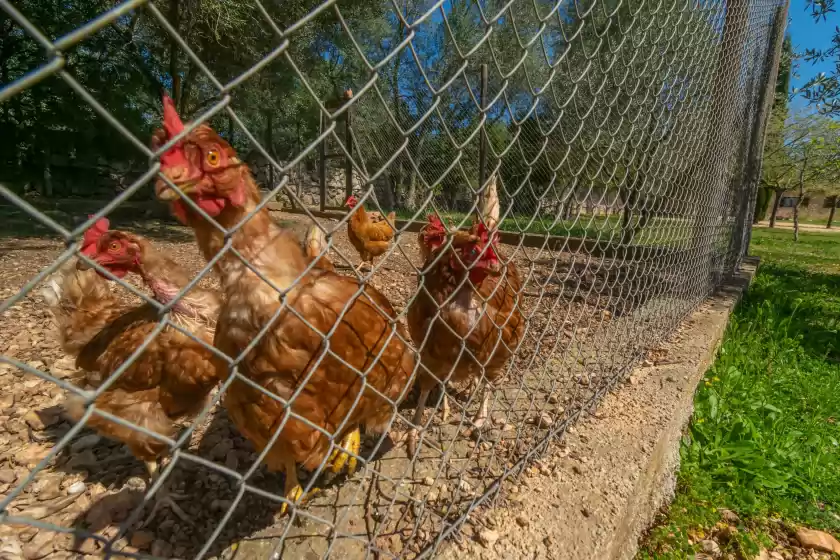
(142, 539)
(817, 540)
(40, 546)
(488, 537)
(710, 547)
(85, 442)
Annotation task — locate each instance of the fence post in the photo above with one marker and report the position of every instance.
(482, 147)
(348, 160)
(756, 156)
(322, 167)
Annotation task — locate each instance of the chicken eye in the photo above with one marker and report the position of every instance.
(213, 158)
(114, 247)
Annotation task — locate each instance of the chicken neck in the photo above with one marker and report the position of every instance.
(166, 279)
(265, 246)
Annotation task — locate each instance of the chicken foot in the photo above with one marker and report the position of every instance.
(363, 264)
(482, 415)
(352, 442)
(292, 490)
(164, 498)
(411, 441)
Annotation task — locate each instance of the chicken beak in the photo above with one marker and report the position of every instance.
(166, 193)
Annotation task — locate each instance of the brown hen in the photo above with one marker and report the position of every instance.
(478, 298)
(170, 380)
(285, 313)
(368, 232)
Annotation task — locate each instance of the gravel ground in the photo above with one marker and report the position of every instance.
(588, 322)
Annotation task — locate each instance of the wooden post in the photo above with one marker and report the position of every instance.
(322, 167)
(348, 143)
(270, 148)
(482, 147)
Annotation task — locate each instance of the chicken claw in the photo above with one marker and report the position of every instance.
(293, 491)
(164, 498)
(352, 442)
(481, 417)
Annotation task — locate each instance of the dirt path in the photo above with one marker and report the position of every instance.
(785, 224)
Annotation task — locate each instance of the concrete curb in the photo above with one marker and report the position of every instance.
(596, 492)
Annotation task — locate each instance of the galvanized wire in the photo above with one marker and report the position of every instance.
(624, 141)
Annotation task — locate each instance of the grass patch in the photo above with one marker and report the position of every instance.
(765, 436)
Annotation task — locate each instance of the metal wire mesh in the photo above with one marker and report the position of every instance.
(623, 140)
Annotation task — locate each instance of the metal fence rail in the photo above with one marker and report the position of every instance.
(623, 140)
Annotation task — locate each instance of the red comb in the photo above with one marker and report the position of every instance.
(434, 222)
(92, 235)
(173, 125)
(171, 121)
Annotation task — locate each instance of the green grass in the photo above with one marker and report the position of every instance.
(764, 440)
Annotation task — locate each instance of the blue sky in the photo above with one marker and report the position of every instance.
(805, 33)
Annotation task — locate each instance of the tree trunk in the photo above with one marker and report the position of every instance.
(48, 184)
(799, 200)
(831, 212)
(269, 146)
(173, 54)
(777, 200)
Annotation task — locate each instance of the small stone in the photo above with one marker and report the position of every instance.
(634, 380)
(40, 546)
(76, 488)
(488, 537)
(670, 379)
(221, 449)
(10, 549)
(220, 505)
(50, 490)
(142, 539)
(522, 521)
(464, 486)
(553, 399)
(7, 476)
(762, 555)
(136, 484)
(585, 512)
(576, 469)
(161, 549)
(232, 461)
(817, 540)
(86, 458)
(428, 481)
(64, 367)
(36, 421)
(7, 401)
(31, 455)
(37, 364)
(85, 442)
(647, 363)
(710, 547)
(543, 420)
(87, 546)
(395, 543)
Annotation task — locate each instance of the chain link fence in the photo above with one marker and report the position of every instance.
(622, 142)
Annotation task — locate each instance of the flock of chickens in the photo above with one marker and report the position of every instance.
(316, 356)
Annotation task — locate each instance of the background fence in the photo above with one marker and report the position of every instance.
(624, 139)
